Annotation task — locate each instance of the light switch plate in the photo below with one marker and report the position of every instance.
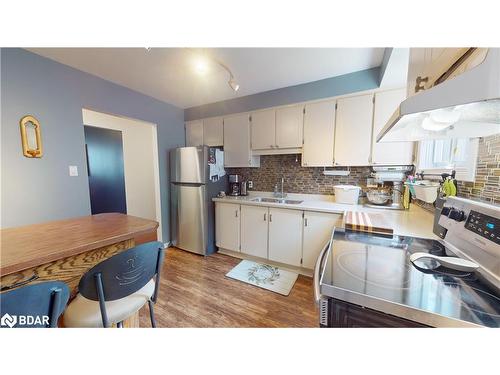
(73, 170)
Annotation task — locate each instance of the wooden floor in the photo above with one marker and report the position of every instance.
(194, 292)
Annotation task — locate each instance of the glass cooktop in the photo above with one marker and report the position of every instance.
(375, 271)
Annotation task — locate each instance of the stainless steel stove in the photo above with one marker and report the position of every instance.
(368, 280)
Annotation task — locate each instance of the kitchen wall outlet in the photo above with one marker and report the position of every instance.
(73, 170)
(250, 184)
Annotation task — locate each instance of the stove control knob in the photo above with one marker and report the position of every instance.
(457, 215)
(445, 211)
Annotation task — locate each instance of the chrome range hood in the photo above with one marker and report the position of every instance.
(465, 106)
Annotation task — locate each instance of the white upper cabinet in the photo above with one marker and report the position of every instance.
(319, 134)
(353, 130)
(194, 133)
(289, 125)
(264, 130)
(317, 232)
(254, 229)
(389, 153)
(285, 236)
(213, 131)
(237, 151)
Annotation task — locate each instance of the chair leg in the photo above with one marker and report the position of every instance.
(152, 313)
(119, 324)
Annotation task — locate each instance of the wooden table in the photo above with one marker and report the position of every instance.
(64, 250)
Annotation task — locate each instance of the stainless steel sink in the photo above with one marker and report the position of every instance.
(291, 201)
(276, 200)
(267, 200)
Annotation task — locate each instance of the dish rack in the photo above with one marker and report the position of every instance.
(428, 190)
(424, 190)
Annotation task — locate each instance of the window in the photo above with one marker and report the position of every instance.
(460, 154)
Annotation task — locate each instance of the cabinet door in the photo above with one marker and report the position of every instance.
(227, 226)
(289, 125)
(353, 130)
(194, 133)
(254, 229)
(213, 132)
(389, 153)
(317, 232)
(264, 130)
(319, 134)
(285, 236)
(237, 141)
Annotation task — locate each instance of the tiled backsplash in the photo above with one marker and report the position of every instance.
(487, 184)
(311, 180)
(298, 179)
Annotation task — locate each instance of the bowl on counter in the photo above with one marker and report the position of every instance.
(378, 196)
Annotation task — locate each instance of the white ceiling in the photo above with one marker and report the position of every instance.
(168, 74)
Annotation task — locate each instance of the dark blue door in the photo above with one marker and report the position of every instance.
(104, 148)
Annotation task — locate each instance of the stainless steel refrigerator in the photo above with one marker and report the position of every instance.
(191, 192)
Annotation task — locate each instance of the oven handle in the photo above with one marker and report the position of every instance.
(319, 267)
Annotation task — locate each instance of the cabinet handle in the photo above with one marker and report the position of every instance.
(272, 146)
(236, 213)
(270, 217)
(265, 217)
(305, 222)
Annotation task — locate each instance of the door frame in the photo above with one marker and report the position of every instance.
(156, 161)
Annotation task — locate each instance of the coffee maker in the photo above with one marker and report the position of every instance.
(234, 184)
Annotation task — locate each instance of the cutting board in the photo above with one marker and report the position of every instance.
(364, 222)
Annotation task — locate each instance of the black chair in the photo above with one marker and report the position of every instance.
(34, 306)
(118, 287)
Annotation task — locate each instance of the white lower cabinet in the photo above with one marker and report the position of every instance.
(282, 235)
(285, 236)
(317, 232)
(227, 226)
(254, 230)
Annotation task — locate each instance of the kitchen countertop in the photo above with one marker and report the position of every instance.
(415, 222)
(34, 245)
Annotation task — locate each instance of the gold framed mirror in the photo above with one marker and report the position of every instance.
(31, 137)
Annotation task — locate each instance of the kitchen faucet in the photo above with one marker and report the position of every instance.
(278, 194)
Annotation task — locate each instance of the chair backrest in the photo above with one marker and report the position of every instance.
(34, 306)
(124, 273)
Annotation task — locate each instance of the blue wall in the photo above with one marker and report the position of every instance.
(37, 190)
(348, 83)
